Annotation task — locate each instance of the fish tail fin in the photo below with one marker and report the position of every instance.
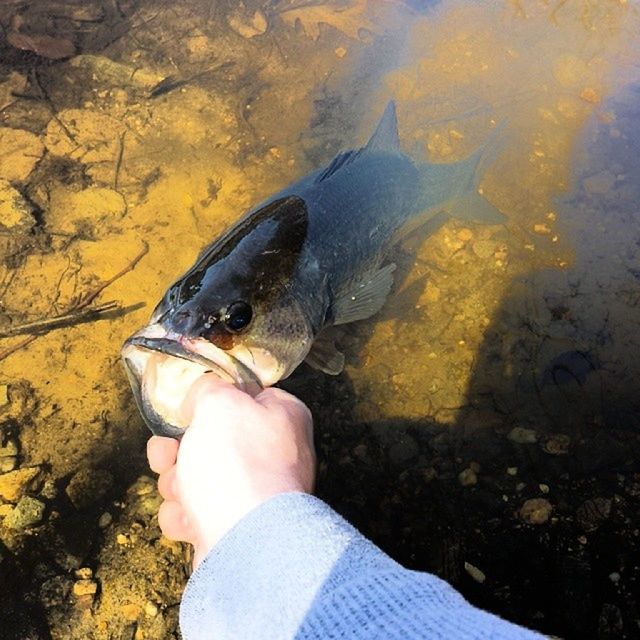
(466, 202)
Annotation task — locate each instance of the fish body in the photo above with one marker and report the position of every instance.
(257, 301)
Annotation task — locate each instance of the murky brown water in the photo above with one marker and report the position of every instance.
(503, 369)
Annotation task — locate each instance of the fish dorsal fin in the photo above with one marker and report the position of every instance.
(324, 355)
(342, 159)
(385, 138)
(363, 296)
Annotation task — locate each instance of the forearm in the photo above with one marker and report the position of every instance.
(293, 568)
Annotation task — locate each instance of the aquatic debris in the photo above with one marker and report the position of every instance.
(247, 24)
(352, 18)
(82, 303)
(175, 81)
(42, 44)
(63, 320)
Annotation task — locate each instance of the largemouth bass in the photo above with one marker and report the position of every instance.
(258, 300)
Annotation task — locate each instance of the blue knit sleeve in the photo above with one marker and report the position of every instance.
(293, 568)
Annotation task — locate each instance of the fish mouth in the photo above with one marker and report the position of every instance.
(162, 367)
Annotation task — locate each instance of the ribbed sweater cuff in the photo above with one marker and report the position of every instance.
(260, 580)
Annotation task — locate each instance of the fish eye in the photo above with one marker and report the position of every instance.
(238, 316)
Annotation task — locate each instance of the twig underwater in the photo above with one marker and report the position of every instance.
(79, 311)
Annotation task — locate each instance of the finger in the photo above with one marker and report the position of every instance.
(167, 487)
(162, 453)
(210, 397)
(173, 522)
(277, 399)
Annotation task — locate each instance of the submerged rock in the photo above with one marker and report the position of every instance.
(536, 511)
(88, 486)
(28, 512)
(14, 484)
(16, 214)
(21, 150)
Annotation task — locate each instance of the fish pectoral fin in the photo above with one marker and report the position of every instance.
(324, 355)
(363, 296)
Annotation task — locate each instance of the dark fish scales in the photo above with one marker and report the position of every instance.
(256, 301)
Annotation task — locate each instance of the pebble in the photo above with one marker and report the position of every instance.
(8, 463)
(21, 150)
(536, 511)
(544, 488)
(151, 609)
(28, 512)
(85, 588)
(557, 444)
(521, 435)
(542, 229)
(592, 513)
(84, 573)
(614, 577)
(477, 574)
(512, 471)
(105, 520)
(468, 478)
(10, 448)
(88, 486)
(15, 483)
(4, 395)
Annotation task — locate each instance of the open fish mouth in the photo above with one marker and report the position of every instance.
(162, 368)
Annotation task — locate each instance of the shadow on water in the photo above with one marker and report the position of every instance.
(551, 412)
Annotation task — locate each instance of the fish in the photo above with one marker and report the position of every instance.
(262, 297)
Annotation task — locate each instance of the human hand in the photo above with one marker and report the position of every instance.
(238, 452)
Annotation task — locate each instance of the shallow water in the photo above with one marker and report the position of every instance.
(503, 368)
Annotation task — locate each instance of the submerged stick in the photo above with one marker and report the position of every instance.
(76, 312)
(64, 319)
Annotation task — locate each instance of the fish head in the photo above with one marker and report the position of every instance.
(234, 314)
